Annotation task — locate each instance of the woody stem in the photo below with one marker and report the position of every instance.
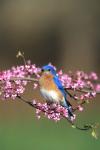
(85, 128)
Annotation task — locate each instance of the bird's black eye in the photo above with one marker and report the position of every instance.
(42, 70)
(49, 69)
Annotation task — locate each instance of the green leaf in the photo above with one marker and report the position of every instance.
(94, 134)
(73, 126)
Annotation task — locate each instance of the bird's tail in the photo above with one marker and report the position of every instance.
(69, 108)
(70, 112)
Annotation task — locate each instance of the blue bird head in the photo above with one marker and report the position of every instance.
(49, 68)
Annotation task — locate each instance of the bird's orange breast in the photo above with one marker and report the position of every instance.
(46, 82)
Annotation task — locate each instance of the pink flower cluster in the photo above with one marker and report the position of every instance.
(82, 82)
(54, 111)
(13, 83)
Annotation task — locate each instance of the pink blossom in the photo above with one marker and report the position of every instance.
(93, 76)
(97, 88)
(35, 85)
(80, 108)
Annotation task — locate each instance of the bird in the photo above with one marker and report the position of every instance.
(52, 89)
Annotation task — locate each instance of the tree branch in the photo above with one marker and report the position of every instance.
(84, 128)
(82, 90)
(25, 78)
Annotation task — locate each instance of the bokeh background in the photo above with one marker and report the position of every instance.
(66, 33)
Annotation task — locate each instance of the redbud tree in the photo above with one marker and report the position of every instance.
(80, 86)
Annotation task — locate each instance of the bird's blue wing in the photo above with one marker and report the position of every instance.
(61, 88)
(59, 85)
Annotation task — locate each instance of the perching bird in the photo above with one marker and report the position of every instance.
(52, 89)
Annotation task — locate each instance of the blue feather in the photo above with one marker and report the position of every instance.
(59, 85)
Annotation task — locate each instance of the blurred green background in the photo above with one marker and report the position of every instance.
(66, 33)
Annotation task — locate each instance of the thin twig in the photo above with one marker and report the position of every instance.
(76, 108)
(84, 128)
(82, 90)
(70, 94)
(21, 54)
(94, 81)
(23, 78)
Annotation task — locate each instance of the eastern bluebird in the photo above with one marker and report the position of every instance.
(52, 89)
